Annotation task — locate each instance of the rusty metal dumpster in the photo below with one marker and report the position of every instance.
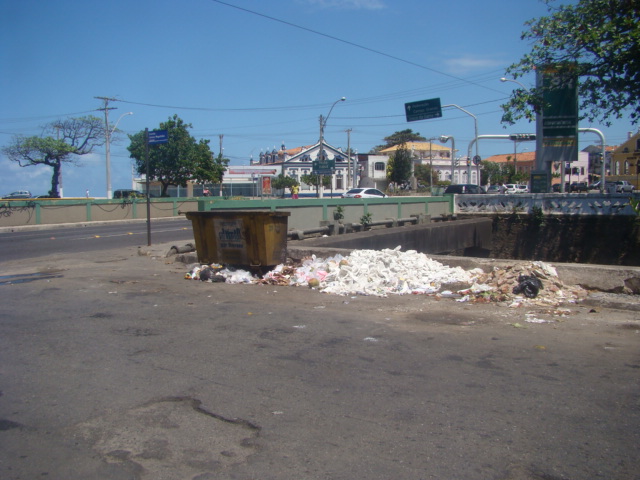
(240, 237)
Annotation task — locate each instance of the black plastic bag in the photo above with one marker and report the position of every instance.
(209, 274)
(528, 285)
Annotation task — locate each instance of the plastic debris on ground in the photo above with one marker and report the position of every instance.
(219, 273)
(394, 272)
(372, 272)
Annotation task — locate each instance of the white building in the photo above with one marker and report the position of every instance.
(296, 162)
(373, 168)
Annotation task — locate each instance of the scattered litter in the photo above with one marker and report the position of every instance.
(394, 272)
(535, 320)
(371, 339)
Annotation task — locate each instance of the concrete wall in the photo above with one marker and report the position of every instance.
(432, 238)
(305, 213)
(308, 213)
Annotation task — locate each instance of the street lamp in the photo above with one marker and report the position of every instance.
(504, 79)
(445, 139)
(323, 123)
(108, 134)
(475, 122)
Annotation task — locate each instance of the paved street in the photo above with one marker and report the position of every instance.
(40, 240)
(113, 366)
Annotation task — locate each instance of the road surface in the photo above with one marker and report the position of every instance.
(118, 368)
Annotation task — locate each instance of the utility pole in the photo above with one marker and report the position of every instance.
(349, 177)
(107, 134)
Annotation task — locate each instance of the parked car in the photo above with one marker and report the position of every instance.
(464, 188)
(522, 189)
(493, 189)
(363, 193)
(579, 187)
(128, 194)
(594, 186)
(622, 186)
(17, 194)
(556, 187)
(510, 188)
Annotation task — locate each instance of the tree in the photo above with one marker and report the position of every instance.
(180, 160)
(596, 39)
(399, 166)
(73, 137)
(424, 174)
(491, 173)
(282, 182)
(314, 180)
(398, 138)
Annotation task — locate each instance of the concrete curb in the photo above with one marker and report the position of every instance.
(35, 228)
(609, 287)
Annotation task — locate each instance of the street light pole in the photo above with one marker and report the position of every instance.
(445, 139)
(431, 163)
(323, 123)
(349, 177)
(475, 122)
(108, 133)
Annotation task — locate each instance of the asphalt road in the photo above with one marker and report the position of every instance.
(118, 368)
(32, 242)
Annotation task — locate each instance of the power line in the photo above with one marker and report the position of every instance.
(210, 109)
(353, 44)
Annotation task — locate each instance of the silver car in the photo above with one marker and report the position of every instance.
(18, 194)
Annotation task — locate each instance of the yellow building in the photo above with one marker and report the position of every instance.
(625, 161)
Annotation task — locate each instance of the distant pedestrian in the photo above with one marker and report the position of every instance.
(87, 193)
(502, 189)
(294, 192)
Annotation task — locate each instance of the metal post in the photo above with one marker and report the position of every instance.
(475, 122)
(322, 125)
(320, 157)
(108, 149)
(603, 173)
(146, 156)
(445, 139)
(348, 159)
(431, 166)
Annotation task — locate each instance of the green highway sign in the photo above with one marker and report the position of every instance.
(423, 110)
(323, 167)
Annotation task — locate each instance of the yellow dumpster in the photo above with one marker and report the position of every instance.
(240, 237)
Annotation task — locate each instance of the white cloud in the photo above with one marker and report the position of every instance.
(349, 4)
(469, 63)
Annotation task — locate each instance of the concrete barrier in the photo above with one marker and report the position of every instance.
(304, 213)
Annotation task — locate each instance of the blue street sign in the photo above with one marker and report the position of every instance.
(158, 136)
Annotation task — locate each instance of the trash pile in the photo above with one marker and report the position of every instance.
(535, 282)
(394, 272)
(372, 272)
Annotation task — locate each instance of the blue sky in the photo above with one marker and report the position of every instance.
(258, 79)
